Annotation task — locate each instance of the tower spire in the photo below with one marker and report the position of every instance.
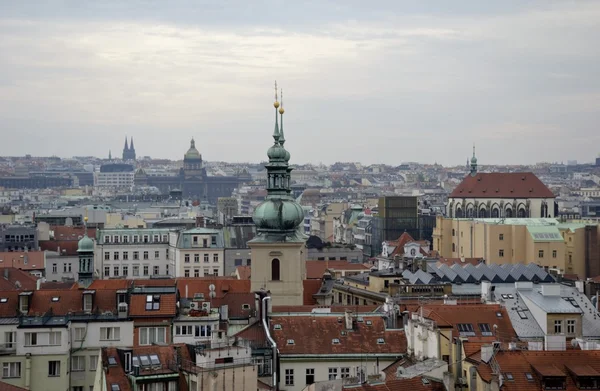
(276, 105)
(473, 163)
(281, 111)
(109, 154)
(131, 144)
(126, 148)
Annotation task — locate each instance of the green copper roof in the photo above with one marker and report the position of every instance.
(85, 245)
(192, 153)
(540, 233)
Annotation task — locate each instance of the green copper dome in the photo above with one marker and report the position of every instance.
(277, 152)
(192, 153)
(278, 214)
(85, 245)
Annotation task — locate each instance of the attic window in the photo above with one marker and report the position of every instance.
(145, 361)
(245, 306)
(152, 302)
(425, 381)
(529, 376)
(509, 376)
(498, 314)
(485, 329)
(335, 341)
(3, 299)
(290, 342)
(522, 314)
(277, 327)
(465, 329)
(135, 361)
(154, 359)
(380, 341)
(339, 319)
(55, 299)
(369, 322)
(112, 361)
(115, 387)
(360, 319)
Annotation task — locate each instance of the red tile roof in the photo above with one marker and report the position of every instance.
(24, 260)
(315, 269)
(111, 284)
(62, 232)
(13, 278)
(67, 301)
(58, 285)
(64, 247)
(9, 387)
(115, 374)
(243, 272)
(9, 309)
(154, 282)
(310, 288)
(223, 285)
(167, 307)
(314, 335)
(235, 303)
(336, 308)
(449, 316)
(412, 384)
(502, 185)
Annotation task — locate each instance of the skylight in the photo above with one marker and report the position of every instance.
(369, 322)
(55, 298)
(485, 329)
(145, 361)
(529, 376)
(3, 299)
(509, 376)
(277, 327)
(290, 341)
(335, 341)
(522, 314)
(112, 361)
(465, 329)
(380, 341)
(115, 387)
(154, 359)
(135, 361)
(152, 302)
(572, 301)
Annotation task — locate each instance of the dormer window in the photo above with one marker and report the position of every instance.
(3, 299)
(380, 341)
(87, 302)
(369, 322)
(360, 319)
(277, 327)
(290, 342)
(335, 341)
(55, 298)
(152, 302)
(245, 306)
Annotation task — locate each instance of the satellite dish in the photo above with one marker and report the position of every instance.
(211, 287)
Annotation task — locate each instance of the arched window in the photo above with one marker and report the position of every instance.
(453, 232)
(522, 213)
(275, 270)
(482, 213)
(459, 213)
(508, 213)
(453, 247)
(495, 212)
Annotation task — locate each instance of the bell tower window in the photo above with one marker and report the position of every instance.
(275, 268)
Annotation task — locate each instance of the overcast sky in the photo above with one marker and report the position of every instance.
(377, 82)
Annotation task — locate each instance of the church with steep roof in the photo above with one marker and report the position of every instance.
(128, 151)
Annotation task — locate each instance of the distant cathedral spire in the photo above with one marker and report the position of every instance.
(473, 163)
(276, 105)
(126, 147)
(131, 147)
(109, 154)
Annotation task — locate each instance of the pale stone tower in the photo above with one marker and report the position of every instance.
(279, 250)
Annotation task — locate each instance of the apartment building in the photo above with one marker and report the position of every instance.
(568, 248)
(133, 253)
(199, 252)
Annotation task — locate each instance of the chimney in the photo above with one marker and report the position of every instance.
(6, 273)
(348, 318)
(38, 284)
(487, 351)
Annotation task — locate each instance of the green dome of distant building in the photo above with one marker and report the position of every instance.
(473, 159)
(85, 245)
(192, 153)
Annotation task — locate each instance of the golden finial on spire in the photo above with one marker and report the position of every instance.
(276, 104)
(281, 110)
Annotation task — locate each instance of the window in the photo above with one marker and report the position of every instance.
(509, 376)
(107, 256)
(466, 329)
(156, 254)
(553, 253)
(194, 239)
(213, 241)
(203, 331)
(204, 243)
(310, 376)
(215, 272)
(215, 257)
(522, 314)
(156, 270)
(151, 335)
(541, 254)
(54, 268)
(115, 239)
(115, 270)
(152, 302)
(196, 272)
(136, 255)
(501, 253)
(146, 255)
(186, 273)
(78, 363)
(289, 376)
(136, 270)
(485, 329)
(11, 369)
(557, 326)
(107, 239)
(184, 330)
(127, 357)
(570, 326)
(290, 342)
(125, 239)
(146, 270)
(333, 373)
(31, 339)
(335, 341)
(453, 232)
(125, 271)
(186, 258)
(135, 239)
(125, 255)
(93, 363)
(106, 271)
(116, 255)
(53, 368)
(344, 372)
(501, 237)
(380, 341)
(206, 258)
(196, 258)
(145, 238)
(275, 270)
(10, 338)
(79, 333)
(110, 333)
(528, 376)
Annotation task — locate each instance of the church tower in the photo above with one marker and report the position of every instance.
(473, 163)
(279, 250)
(128, 151)
(85, 250)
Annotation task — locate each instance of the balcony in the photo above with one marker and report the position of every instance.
(8, 348)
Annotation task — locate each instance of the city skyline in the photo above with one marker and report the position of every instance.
(403, 82)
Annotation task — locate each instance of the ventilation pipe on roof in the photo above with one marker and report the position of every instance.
(274, 364)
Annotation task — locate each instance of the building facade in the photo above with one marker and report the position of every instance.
(199, 252)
